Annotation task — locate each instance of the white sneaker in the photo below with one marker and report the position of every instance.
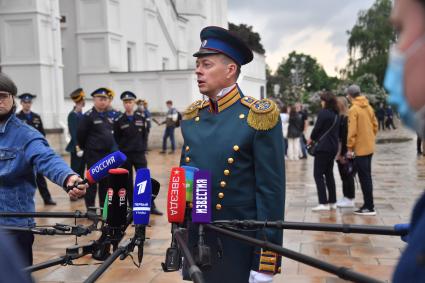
(321, 207)
(345, 202)
(332, 205)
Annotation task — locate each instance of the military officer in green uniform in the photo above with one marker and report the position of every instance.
(74, 119)
(239, 140)
(34, 120)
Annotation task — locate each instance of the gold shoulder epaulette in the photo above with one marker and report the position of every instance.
(192, 111)
(263, 114)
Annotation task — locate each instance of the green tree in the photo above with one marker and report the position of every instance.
(271, 81)
(313, 76)
(369, 86)
(369, 41)
(251, 38)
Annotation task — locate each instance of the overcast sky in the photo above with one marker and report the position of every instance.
(315, 27)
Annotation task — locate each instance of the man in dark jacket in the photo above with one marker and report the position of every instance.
(380, 115)
(95, 137)
(130, 135)
(34, 120)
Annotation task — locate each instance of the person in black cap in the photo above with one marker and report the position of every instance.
(239, 140)
(34, 120)
(74, 118)
(130, 135)
(95, 137)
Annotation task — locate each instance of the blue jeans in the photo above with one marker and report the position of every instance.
(169, 132)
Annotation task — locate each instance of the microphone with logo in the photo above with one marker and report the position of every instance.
(202, 214)
(176, 205)
(114, 213)
(100, 169)
(142, 201)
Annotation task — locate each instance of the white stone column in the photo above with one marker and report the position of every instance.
(30, 52)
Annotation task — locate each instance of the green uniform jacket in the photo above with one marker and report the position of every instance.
(73, 122)
(239, 140)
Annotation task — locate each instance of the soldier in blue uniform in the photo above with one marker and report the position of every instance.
(239, 140)
(111, 112)
(34, 120)
(405, 84)
(95, 137)
(130, 135)
(74, 118)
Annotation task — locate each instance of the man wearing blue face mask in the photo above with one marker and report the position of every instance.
(405, 83)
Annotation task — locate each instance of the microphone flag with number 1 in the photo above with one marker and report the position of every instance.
(142, 197)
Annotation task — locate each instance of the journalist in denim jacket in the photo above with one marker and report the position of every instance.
(23, 152)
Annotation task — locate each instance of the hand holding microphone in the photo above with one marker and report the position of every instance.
(76, 191)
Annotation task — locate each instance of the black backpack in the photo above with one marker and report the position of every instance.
(179, 118)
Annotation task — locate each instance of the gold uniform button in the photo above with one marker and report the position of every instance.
(187, 148)
(197, 119)
(241, 116)
(226, 172)
(218, 206)
(236, 147)
(230, 160)
(187, 159)
(222, 184)
(220, 195)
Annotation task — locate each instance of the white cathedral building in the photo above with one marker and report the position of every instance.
(51, 47)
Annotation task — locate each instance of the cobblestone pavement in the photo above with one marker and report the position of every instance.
(398, 177)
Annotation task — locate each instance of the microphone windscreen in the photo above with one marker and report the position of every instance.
(116, 197)
(100, 169)
(201, 209)
(189, 172)
(142, 196)
(176, 197)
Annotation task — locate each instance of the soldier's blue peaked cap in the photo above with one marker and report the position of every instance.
(26, 96)
(102, 92)
(219, 40)
(128, 95)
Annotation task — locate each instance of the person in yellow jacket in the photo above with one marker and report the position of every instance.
(362, 129)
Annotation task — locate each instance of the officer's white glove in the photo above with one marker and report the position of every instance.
(80, 153)
(258, 277)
